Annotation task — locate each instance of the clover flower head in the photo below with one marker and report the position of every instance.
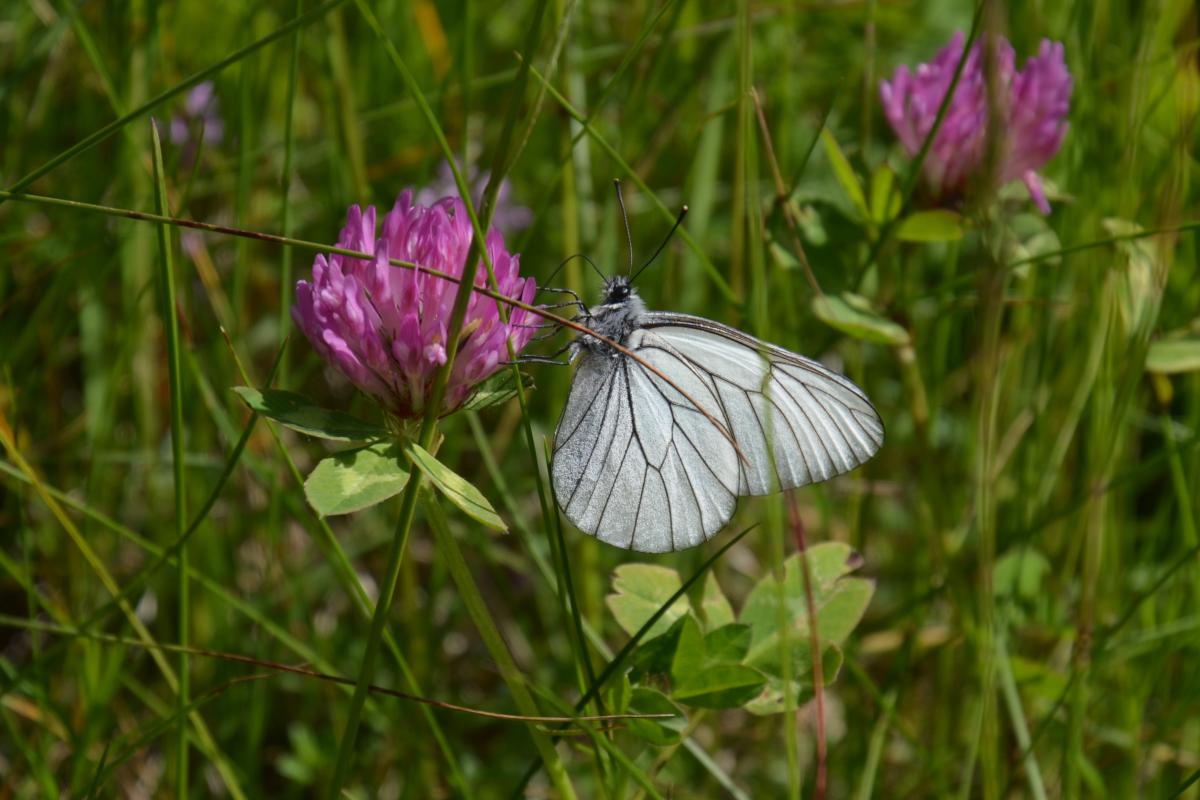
(385, 327)
(509, 216)
(1033, 104)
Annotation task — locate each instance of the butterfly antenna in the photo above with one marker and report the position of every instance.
(678, 221)
(625, 217)
(568, 260)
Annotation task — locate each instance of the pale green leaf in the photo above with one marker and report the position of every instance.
(714, 606)
(640, 590)
(1019, 573)
(885, 196)
(845, 174)
(853, 315)
(355, 479)
(937, 225)
(301, 414)
(839, 602)
(455, 488)
(1172, 356)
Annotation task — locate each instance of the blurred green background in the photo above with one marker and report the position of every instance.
(1029, 525)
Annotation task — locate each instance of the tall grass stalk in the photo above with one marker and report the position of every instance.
(170, 322)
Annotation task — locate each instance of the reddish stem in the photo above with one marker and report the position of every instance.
(814, 647)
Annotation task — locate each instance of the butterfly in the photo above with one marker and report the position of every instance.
(660, 437)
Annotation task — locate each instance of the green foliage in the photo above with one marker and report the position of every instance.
(1030, 523)
(937, 225)
(712, 661)
(456, 489)
(356, 479)
(496, 390)
(301, 414)
(1174, 356)
(640, 590)
(852, 314)
(844, 173)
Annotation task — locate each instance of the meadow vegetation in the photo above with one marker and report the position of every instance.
(1003, 599)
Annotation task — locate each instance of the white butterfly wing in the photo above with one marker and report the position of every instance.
(638, 461)
(636, 464)
(819, 423)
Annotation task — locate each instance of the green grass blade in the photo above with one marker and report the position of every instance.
(108, 130)
(170, 318)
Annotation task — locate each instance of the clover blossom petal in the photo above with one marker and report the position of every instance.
(386, 328)
(1033, 104)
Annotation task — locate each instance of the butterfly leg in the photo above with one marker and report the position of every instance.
(538, 360)
(550, 359)
(576, 300)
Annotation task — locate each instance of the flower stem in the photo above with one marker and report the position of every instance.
(458, 313)
(456, 565)
(366, 670)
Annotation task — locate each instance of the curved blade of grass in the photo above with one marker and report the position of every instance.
(456, 565)
(351, 583)
(108, 130)
(437, 392)
(204, 736)
(713, 273)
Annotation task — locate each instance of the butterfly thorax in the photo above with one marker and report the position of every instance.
(617, 316)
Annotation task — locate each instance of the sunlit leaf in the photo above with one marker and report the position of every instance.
(1172, 356)
(885, 196)
(714, 606)
(457, 489)
(301, 414)
(845, 174)
(1019, 573)
(853, 315)
(356, 479)
(937, 225)
(640, 590)
(839, 602)
(729, 643)
(1140, 289)
(1028, 235)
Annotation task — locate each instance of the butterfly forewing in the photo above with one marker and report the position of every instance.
(820, 423)
(639, 461)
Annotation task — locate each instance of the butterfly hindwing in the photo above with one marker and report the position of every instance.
(636, 462)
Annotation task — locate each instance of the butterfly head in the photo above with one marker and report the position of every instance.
(618, 291)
